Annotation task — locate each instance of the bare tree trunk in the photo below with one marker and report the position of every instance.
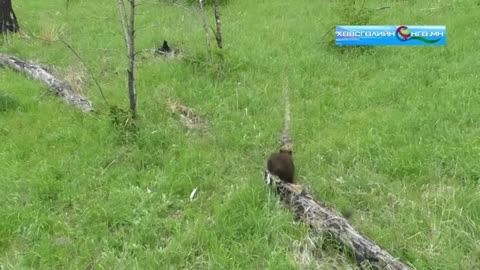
(205, 28)
(218, 23)
(323, 219)
(8, 19)
(129, 32)
(131, 61)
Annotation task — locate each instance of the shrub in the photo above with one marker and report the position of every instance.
(8, 102)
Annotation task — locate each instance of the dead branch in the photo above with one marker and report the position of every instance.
(286, 140)
(323, 219)
(59, 88)
(382, 8)
(205, 28)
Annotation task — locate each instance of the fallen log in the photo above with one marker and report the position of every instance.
(57, 87)
(322, 219)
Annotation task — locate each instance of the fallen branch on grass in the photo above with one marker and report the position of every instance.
(59, 88)
(326, 220)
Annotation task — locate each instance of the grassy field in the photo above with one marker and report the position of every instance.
(389, 133)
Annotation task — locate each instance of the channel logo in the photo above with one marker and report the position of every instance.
(404, 34)
(389, 35)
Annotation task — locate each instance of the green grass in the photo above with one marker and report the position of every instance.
(388, 133)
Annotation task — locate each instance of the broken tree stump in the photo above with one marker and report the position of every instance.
(59, 88)
(8, 19)
(318, 216)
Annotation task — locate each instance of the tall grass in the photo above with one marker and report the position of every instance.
(388, 133)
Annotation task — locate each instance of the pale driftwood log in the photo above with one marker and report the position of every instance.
(318, 216)
(59, 88)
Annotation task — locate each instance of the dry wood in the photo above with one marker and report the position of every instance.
(218, 23)
(59, 88)
(286, 141)
(323, 219)
(205, 28)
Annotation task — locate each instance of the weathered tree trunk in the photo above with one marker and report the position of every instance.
(326, 220)
(59, 88)
(8, 19)
(218, 22)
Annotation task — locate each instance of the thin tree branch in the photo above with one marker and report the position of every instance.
(88, 69)
(123, 17)
(218, 23)
(129, 37)
(205, 28)
(81, 60)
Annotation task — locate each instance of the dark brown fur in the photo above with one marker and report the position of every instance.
(281, 165)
